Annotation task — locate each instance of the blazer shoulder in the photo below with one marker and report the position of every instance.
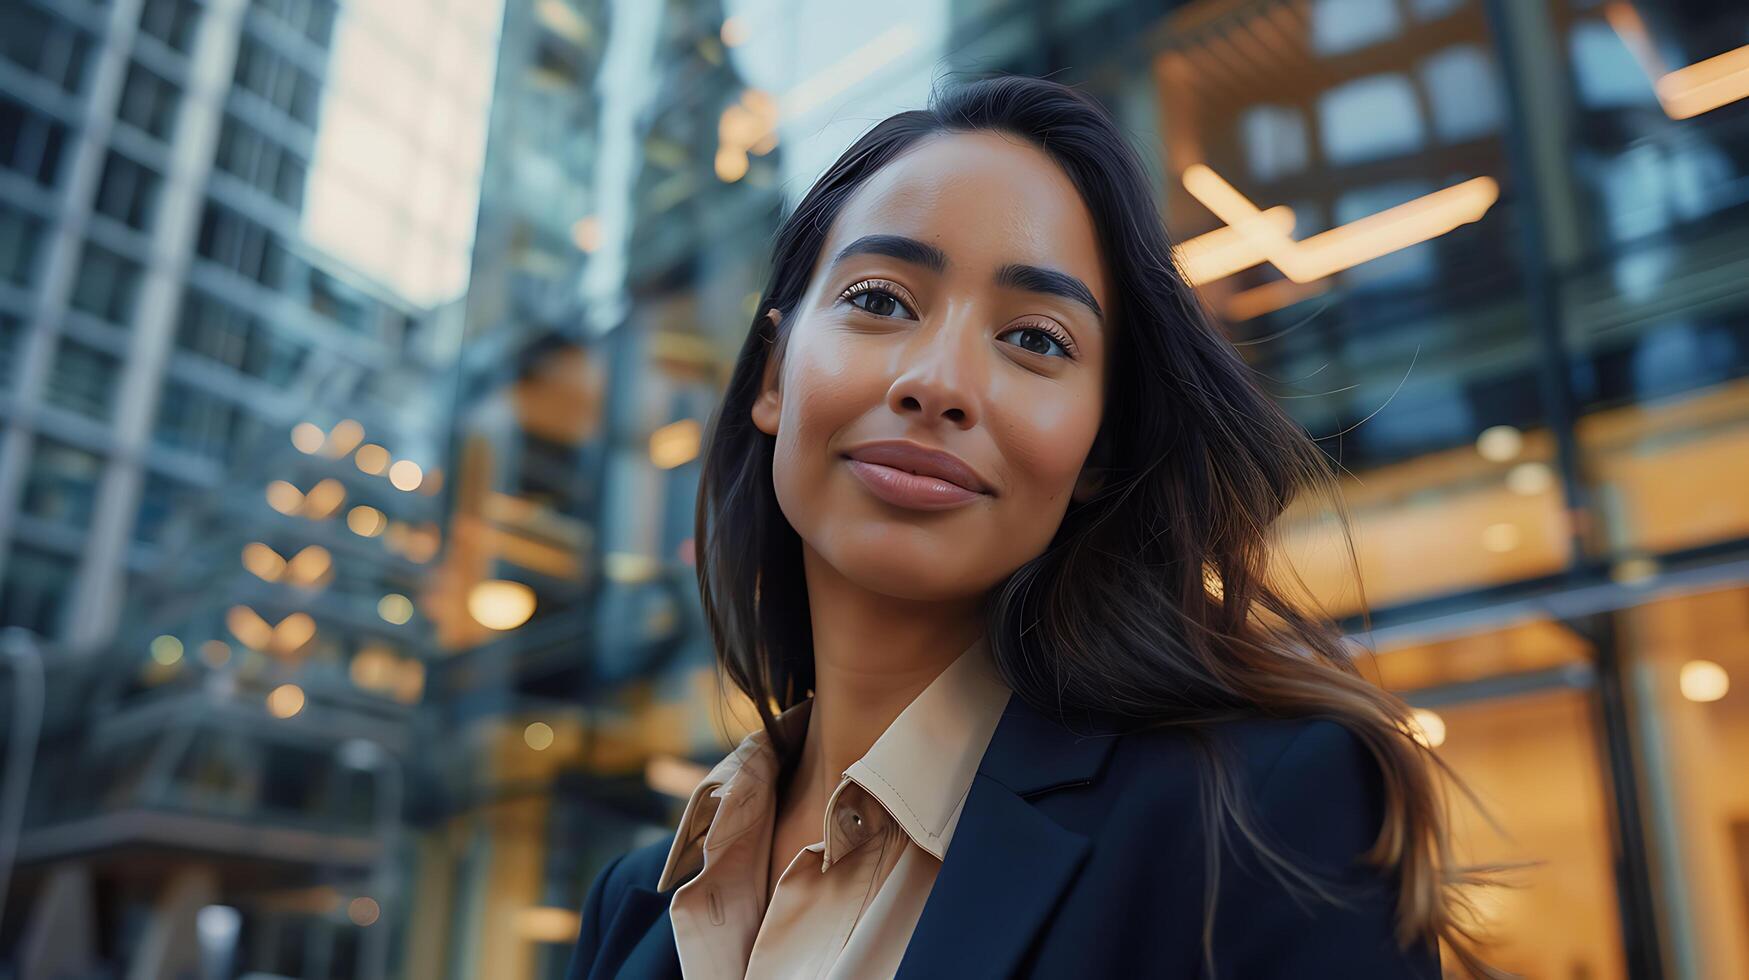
(1256, 745)
(1313, 780)
(1319, 787)
(641, 867)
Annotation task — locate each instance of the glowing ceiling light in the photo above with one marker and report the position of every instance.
(1688, 91)
(324, 499)
(365, 521)
(285, 701)
(499, 604)
(309, 565)
(344, 438)
(263, 562)
(248, 626)
(405, 475)
(1499, 443)
(1232, 248)
(395, 608)
(363, 910)
(284, 497)
(308, 437)
(166, 649)
(293, 632)
(371, 458)
(1703, 680)
(1427, 727)
(1345, 246)
(675, 443)
(538, 736)
(1530, 479)
(731, 164)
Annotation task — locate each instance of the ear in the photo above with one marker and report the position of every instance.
(768, 404)
(1093, 472)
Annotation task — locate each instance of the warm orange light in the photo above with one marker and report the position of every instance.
(1232, 248)
(731, 164)
(248, 626)
(1499, 443)
(344, 438)
(324, 499)
(293, 632)
(405, 475)
(284, 497)
(263, 562)
(538, 736)
(1269, 297)
(1427, 727)
(547, 924)
(309, 565)
(500, 604)
(586, 233)
(675, 443)
(1703, 681)
(374, 668)
(1705, 85)
(215, 653)
(308, 437)
(1344, 247)
(422, 543)
(371, 458)
(285, 701)
(409, 681)
(363, 910)
(1686, 92)
(365, 521)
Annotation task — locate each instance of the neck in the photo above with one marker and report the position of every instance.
(873, 654)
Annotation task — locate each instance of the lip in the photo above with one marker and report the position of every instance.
(906, 474)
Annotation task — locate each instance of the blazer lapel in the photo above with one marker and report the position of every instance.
(1008, 863)
(642, 924)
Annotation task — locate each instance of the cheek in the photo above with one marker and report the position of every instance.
(1045, 445)
(824, 388)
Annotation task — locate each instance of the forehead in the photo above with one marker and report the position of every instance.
(986, 199)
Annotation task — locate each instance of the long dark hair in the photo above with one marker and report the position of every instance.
(1151, 606)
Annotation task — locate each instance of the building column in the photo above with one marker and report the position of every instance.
(102, 579)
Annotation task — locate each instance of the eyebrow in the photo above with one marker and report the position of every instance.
(898, 247)
(1014, 275)
(1050, 282)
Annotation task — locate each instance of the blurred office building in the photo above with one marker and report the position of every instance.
(236, 240)
(356, 358)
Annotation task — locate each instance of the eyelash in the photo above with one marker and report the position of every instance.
(893, 290)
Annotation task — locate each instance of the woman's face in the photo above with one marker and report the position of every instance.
(959, 307)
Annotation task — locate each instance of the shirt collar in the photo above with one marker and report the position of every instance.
(740, 781)
(920, 769)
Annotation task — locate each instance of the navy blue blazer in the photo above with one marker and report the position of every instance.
(1082, 855)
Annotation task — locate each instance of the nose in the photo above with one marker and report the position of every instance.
(939, 373)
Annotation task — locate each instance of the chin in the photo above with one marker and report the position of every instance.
(891, 560)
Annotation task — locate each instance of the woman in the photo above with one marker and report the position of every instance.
(983, 519)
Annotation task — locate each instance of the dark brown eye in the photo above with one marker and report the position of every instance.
(879, 302)
(1039, 341)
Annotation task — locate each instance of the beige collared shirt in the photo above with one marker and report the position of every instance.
(887, 828)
